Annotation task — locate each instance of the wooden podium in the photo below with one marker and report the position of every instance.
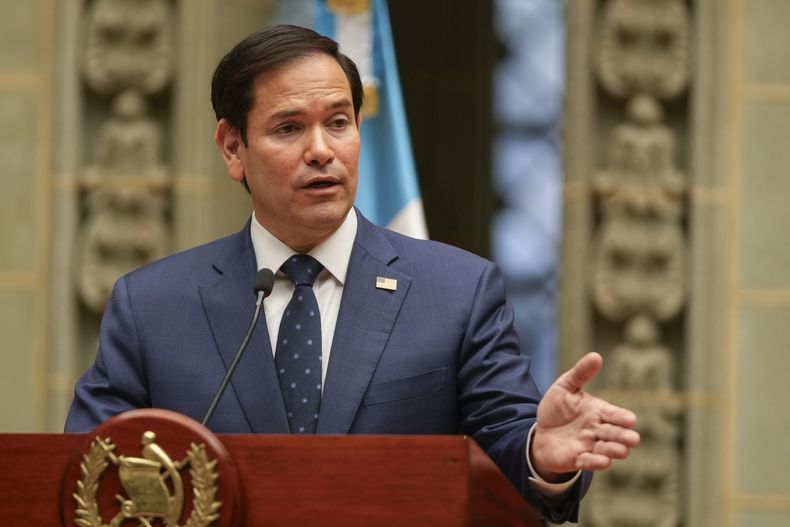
(260, 480)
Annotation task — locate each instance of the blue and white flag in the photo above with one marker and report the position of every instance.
(388, 192)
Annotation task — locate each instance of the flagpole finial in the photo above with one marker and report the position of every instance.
(348, 7)
(370, 103)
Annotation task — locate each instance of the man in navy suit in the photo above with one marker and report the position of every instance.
(416, 336)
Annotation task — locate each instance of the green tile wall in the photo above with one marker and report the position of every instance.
(758, 518)
(764, 195)
(762, 393)
(19, 37)
(766, 41)
(19, 151)
(18, 389)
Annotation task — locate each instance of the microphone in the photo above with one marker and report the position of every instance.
(264, 281)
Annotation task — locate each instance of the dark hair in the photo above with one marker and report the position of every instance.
(232, 93)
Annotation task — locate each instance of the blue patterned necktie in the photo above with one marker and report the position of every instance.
(298, 355)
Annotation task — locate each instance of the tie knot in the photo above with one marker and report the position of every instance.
(302, 269)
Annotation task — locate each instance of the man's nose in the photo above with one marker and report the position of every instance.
(317, 150)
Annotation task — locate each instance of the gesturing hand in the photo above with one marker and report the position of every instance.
(577, 431)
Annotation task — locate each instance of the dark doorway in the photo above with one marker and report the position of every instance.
(446, 52)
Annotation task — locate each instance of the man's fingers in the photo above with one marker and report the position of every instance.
(602, 455)
(611, 449)
(618, 416)
(582, 372)
(592, 461)
(625, 436)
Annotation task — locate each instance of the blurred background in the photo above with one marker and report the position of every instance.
(625, 162)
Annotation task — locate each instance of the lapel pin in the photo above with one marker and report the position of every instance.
(390, 284)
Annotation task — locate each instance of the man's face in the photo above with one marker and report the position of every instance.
(302, 153)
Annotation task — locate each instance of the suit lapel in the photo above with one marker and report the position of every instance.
(229, 303)
(367, 315)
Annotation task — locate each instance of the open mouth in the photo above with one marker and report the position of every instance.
(321, 184)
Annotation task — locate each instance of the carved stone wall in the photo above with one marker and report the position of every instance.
(675, 261)
(628, 201)
(136, 175)
(639, 250)
(127, 67)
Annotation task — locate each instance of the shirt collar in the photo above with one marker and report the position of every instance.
(333, 253)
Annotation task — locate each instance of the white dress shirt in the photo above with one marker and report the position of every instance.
(333, 253)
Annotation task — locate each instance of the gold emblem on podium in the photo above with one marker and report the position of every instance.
(147, 482)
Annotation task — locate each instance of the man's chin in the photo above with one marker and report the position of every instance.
(327, 216)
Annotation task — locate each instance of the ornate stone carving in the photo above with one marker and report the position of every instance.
(644, 47)
(644, 491)
(639, 252)
(125, 184)
(638, 269)
(125, 196)
(641, 361)
(129, 44)
(640, 177)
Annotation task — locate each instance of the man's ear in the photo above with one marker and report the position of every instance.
(228, 140)
(359, 120)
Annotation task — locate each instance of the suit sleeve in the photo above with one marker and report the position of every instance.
(115, 382)
(498, 398)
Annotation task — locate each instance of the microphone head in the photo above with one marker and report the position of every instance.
(264, 281)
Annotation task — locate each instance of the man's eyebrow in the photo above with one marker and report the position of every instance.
(342, 103)
(285, 114)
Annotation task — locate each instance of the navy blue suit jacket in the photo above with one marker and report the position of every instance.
(438, 355)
